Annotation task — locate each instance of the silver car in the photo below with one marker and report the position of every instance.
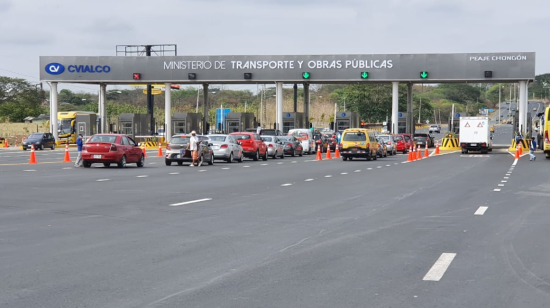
(226, 148)
(275, 147)
(391, 143)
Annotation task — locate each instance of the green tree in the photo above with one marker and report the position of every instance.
(19, 99)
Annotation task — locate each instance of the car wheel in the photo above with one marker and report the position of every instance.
(122, 162)
(344, 158)
(265, 156)
(106, 165)
(351, 158)
(230, 159)
(53, 146)
(86, 164)
(167, 162)
(257, 156)
(141, 162)
(180, 163)
(404, 152)
(211, 162)
(24, 149)
(41, 147)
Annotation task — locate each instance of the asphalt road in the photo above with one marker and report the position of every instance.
(281, 233)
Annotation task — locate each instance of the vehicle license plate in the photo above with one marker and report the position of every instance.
(97, 156)
(473, 144)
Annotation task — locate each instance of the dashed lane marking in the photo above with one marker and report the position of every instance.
(506, 177)
(503, 181)
(369, 168)
(190, 202)
(500, 185)
(481, 210)
(174, 173)
(357, 171)
(142, 176)
(388, 165)
(308, 180)
(328, 176)
(265, 164)
(496, 189)
(226, 168)
(440, 267)
(287, 184)
(246, 166)
(344, 173)
(30, 170)
(102, 180)
(202, 170)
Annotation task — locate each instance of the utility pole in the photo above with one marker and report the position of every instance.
(499, 88)
(420, 103)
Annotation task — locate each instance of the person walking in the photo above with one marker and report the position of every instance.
(532, 150)
(79, 144)
(258, 129)
(193, 146)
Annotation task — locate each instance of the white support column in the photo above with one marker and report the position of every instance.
(53, 110)
(395, 107)
(279, 116)
(167, 112)
(103, 104)
(522, 106)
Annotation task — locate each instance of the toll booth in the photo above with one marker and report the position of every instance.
(185, 122)
(293, 120)
(134, 124)
(86, 124)
(402, 123)
(345, 120)
(238, 121)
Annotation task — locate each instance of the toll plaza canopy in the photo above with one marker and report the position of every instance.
(505, 67)
(427, 68)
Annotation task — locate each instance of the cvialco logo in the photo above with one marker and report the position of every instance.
(55, 68)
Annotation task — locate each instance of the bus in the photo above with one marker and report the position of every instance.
(66, 125)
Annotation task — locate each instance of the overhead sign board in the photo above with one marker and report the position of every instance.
(291, 68)
(154, 91)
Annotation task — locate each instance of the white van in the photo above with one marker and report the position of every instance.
(306, 139)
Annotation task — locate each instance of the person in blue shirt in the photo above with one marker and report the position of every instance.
(79, 144)
(532, 150)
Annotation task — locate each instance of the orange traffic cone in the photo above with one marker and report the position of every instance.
(67, 158)
(160, 150)
(328, 154)
(319, 154)
(426, 152)
(16, 144)
(33, 156)
(418, 154)
(6, 142)
(437, 148)
(411, 157)
(520, 148)
(144, 151)
(336, 151)
(517, 154)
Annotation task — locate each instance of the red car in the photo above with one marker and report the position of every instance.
(253, 146)
(404, 142)
(111, 148)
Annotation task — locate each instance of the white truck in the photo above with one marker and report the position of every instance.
(475, 134)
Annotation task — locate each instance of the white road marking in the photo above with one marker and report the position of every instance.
(344, 173)
(203, 170)
(481, 210)
(328, 176)
(226, 168)
(294, 162)
(515, 162)
(441, 265)
(246, 166)
(379, 167)
(189, 202)
(174, 173)
(506, 177)
(369, 168)
(501, 185)
(31, 170)
(396, 163)
(265, 164)
(357, 171)
(142, 176)
(388, 165)
(152, 163)
(102, 180)
(287, 184)
(308, 180)
(503, 181)
(280, 163)
(67, 168)
(496, 189)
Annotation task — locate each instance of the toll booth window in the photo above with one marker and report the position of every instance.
(233, 126)
(287, 126)
(342, 125)
(355, 137)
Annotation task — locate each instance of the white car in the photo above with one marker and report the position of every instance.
(435, 129)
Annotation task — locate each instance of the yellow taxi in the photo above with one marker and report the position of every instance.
(358, 143)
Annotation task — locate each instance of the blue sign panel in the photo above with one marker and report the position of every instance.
(400, 115)
(221, 115)
(457, 115)
(343, 114)
(288, 115)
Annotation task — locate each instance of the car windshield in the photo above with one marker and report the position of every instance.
(398, 138)
(242, 137)
(35, 136)
(267, 139)
(285, 139)
(358, 136)
(103, 139)
(218, 138)
(64, 126)
(180, 140)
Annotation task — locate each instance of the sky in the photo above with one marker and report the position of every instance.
(30, 28)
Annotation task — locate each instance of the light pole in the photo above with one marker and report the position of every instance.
(499, 88)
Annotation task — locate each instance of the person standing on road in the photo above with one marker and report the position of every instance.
(532, 150)
(193, 146)
(79, 144)
(259, 129)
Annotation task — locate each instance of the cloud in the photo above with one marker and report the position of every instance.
(5, 5)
